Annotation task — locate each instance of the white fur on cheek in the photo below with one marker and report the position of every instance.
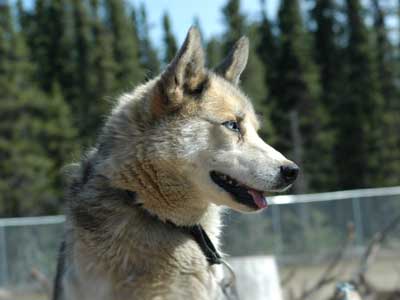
(255, 139)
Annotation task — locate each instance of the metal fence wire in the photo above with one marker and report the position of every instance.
(295, 228)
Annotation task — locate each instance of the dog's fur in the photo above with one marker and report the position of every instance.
(158, 146)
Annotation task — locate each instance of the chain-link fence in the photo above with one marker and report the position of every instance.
(303, 228)
(312, 227)
(28, 249)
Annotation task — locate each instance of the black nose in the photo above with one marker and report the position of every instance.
(289, 172)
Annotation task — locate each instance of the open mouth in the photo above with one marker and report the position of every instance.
(239, 191)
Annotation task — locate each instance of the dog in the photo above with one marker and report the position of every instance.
(144, 205)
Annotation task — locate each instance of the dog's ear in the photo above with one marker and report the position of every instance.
(233, 65)
(186, 73)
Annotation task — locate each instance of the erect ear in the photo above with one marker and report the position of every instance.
(186, 73)
(233, 65)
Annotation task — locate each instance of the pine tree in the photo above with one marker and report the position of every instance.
(235, 22)
(386, 62)
(328, 54)
(170, 46)
(148, 54)
(252, 79)
(360, 110)
(83, 67)
(297, 114)
(54, 44)
(125, 46)
(36, 136)
(268, 49)
(327, 51)
(104, 67)
(5, 46)
(214, 53)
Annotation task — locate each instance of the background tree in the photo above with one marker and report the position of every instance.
(328, 54)
(297, 113)
(386, 63)
(360, 110)
(213, 50)
(104, 68)
(83, 68)
(125, 46)
(170, 46)
(268, 49)
(36, 134)
(148, 54)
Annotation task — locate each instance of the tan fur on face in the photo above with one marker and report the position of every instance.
(223, 103)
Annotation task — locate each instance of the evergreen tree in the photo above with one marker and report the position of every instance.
(328, 55)
(214, 54)
(20, 161)
(235, 22)
(360, 110)
(148, 54)
(327, 51)
(125, 46)
(52, 46)
(386, 62)
(297, 114)
(252, 79)
(268, 49)
(83, 67)
(36, 136)
(104, 67)
(170, 46)
(5, 46)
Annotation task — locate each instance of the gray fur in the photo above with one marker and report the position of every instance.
(160, 142)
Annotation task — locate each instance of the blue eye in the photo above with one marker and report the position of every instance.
(232, 125)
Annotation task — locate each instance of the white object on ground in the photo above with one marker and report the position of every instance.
(257, 277)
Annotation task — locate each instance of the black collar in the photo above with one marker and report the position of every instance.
(196, 231)
(200, 236)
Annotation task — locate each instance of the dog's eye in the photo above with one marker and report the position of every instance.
(232, 125)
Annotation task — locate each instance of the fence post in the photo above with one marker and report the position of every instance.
(358, 221)
(3, 257)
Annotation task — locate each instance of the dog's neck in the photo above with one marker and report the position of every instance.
(196, 231)
(166, 193)
(107, 219)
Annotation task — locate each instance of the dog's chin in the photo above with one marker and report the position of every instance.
(243, 198)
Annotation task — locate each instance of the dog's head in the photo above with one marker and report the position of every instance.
(197, 136)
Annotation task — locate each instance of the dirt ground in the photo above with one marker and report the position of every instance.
(384, 274)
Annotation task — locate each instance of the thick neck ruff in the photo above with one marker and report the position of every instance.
(199, 235)
(197, 232)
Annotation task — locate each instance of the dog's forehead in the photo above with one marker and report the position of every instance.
(228, 102)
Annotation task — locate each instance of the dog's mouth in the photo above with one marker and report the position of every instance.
(239, 191)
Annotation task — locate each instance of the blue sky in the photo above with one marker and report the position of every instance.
(183, 12)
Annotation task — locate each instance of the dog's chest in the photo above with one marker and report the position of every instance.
(95, 286)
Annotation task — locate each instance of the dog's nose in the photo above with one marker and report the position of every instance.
(289, 172)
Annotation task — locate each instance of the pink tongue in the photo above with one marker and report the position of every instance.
(258, 198)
